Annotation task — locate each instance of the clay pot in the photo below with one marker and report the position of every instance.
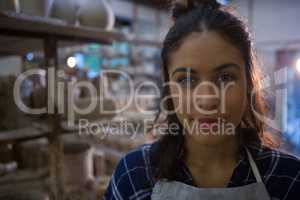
(6, 153)
(10, 5)
(33, 154)
(39, 97)
(95, 114)
(99, 163)
(65, 10)
(97, 13)
(78, 165)
(11, 116)
(36, 7)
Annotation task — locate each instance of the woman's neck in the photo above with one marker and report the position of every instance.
(202, 155)
(212, 165)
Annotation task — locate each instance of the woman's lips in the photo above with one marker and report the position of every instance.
(208, 121)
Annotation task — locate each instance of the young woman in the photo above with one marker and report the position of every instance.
(213, 78)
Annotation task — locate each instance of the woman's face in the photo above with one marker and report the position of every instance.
(208, 86)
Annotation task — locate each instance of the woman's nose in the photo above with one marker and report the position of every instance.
(207, 96)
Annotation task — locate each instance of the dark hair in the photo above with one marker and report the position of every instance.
(199, 16)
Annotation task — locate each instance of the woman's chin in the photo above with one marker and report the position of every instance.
(209, 139)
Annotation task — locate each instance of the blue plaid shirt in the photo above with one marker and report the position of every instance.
(132, 179)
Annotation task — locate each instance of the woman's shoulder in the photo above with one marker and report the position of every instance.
(132, 175)
(279, 159)
(139, 157)
(275, 161)
(280, 170)
(136, 162)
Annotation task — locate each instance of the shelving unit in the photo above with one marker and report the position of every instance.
(20, 34)
(31, 30)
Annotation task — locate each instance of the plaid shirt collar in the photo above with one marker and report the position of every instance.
(255, 148)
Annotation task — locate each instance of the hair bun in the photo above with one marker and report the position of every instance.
(214, 4)
(182, 7)
(179, 8)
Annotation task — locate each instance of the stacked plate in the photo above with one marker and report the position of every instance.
(91, 13)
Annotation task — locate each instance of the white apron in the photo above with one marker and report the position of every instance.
(171, 190)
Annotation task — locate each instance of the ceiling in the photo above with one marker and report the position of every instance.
(165, 4)
(161, 4)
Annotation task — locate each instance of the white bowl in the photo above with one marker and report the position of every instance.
(97, 13)
(9, 5)
(65, 10)
(36, 7)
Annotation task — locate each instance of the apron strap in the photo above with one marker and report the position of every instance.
(254, 167)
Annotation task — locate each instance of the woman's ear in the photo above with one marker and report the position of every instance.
(182, 2)
(246, 112)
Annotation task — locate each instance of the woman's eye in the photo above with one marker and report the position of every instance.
(185, 80)
(225, 78)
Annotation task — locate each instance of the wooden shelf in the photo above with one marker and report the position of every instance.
(24, 180)
(143, 42)
(28, 133)
(21, 34)
(24, 176)
(39, 27)
(15, 45)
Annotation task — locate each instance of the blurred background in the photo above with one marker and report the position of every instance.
(46, 155)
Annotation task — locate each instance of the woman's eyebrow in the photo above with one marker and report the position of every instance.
(226, 66)
(216, 69)
(183, 69)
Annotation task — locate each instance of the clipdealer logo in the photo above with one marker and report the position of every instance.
(56, 95)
